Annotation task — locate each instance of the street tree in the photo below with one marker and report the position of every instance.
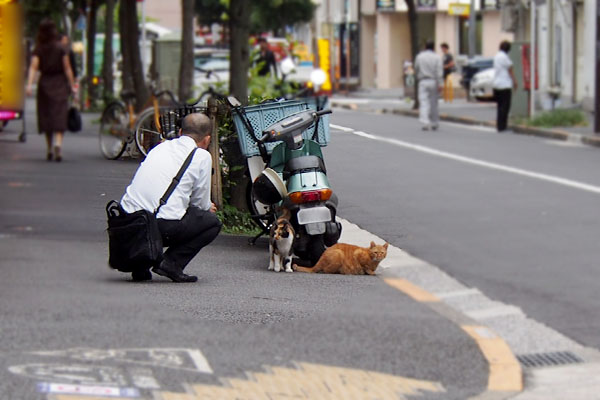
(90, 51)
(107, 59)
(275, 15)
(186, 66)
(239, 27)
(132, 72)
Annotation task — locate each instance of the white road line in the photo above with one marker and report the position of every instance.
(474, 161)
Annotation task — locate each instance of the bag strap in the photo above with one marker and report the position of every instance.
(175, 180)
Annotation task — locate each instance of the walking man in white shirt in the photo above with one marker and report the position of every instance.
(504, 81)
(187, 221)
(428, 66)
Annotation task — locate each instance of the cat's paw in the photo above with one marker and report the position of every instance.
(288, 269)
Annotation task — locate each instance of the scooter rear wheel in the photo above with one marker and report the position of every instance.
(313, 251)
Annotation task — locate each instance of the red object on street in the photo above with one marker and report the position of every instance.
(527, 68)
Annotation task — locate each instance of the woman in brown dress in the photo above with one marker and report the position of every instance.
(54, 87)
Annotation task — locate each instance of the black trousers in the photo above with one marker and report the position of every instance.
(186, 237)
(502, 97)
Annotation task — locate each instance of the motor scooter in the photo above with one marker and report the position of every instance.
(290, 173)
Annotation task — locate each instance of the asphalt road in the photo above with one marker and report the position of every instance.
(513, 216)
(70, 325)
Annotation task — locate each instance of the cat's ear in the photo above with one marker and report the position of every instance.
(373, 244)
(385, 246)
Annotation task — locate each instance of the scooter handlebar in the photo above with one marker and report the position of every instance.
(323, 112)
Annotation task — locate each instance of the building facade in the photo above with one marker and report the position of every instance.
(385, 36)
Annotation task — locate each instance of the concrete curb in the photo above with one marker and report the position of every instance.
(556, 134)
(425, 283)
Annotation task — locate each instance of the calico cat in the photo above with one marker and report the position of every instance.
(348, 259)
(281, 243)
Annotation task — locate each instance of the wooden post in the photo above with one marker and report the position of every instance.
(216, 188)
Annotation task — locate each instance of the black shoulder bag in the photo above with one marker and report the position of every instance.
(134, 240)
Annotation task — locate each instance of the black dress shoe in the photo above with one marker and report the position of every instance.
(173, 273)
(141, 275)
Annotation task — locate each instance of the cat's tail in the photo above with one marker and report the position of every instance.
(296, 267)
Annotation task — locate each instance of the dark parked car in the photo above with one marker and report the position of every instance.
(473, 66)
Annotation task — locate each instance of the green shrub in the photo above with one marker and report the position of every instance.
(237, 222)
(559, 117)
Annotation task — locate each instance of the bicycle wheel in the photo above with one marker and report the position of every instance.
(113, 131)
(147, 134)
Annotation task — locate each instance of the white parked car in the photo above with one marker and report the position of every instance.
(482, 85)
(211, 68)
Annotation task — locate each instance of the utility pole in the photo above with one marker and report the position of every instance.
(472, 22)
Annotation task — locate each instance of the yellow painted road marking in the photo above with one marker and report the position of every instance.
(310, 381)
(505, 370)
(411, 290)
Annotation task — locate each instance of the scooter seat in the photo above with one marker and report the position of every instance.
(305, 163)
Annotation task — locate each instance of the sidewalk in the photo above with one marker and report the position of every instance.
(460, 110)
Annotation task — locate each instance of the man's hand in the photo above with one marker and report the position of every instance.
(213, 208)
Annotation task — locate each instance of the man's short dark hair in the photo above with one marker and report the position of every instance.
(196, 125)
(505, 46)
(445, 45)
(430, 44)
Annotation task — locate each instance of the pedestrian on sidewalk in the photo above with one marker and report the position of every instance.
(428, 66)
(55, 85)
(504, 82)
(187, 221)
(449, 68)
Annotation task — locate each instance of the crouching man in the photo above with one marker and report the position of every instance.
(187, 221)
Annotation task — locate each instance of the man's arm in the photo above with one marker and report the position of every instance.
(200, 196)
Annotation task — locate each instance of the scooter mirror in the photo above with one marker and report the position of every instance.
(233, 102)
(287, 65)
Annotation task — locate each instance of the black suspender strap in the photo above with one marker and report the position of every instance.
(176, 180)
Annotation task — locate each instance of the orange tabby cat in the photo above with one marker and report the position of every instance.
(348, 259)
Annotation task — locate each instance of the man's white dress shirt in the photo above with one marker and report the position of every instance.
(502, 63)
(156, 172)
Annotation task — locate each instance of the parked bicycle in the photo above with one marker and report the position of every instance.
(120, 125)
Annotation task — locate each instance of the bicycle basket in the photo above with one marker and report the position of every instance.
(261, 116)
(170, 120)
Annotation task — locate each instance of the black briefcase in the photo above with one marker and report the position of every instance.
(134, 239)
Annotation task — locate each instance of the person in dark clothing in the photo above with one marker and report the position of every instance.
(187, 221)
(266, 59)
(55, 85)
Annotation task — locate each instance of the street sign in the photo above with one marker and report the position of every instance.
(462, 10)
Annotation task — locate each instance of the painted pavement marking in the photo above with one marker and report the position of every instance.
(310, 381)
(474, 161)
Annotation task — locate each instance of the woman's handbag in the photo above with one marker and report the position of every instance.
(134, 240)
(73, 119)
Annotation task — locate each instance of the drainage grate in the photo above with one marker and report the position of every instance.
(548, 359)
